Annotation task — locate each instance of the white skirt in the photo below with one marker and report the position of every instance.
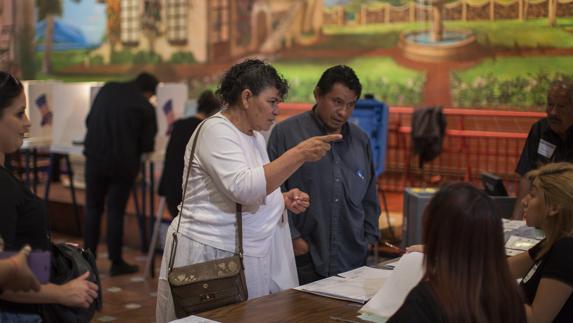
(264, 275)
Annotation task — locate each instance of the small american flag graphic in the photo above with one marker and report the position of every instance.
(169, 115)
(42, 105)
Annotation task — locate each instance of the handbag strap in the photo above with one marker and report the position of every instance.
(238, 209)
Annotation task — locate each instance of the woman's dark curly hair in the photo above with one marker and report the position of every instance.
(252, 74)
(10, 89)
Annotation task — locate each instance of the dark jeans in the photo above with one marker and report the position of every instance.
(6, 317)
(305, 269)
(101, 182)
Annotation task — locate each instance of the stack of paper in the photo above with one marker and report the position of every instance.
(194, 319)
(405, 276)
(516, 245)
(510, 225)
(358, 285)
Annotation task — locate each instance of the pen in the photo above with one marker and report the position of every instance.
(340, 319)
(388, 244)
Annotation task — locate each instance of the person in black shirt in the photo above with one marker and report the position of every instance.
(23, 217)
(121, 126)
(547, 269)
(550, 139)
(172, 177)
(467, 278)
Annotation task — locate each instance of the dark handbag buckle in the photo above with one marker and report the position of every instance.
(207, 297)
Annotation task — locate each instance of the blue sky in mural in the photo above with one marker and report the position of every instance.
(88, 16)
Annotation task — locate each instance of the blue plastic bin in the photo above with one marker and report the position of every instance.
(372, 116)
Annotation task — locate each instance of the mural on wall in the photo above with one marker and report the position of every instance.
(464, 53)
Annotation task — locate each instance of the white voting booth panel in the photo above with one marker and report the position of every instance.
(171, 101)
(72, 103)
(39, 102)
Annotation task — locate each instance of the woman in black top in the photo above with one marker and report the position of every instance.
(23, 218)
(547, 269)
(172, 178)
(467, 278)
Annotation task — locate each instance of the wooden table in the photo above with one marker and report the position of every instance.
(287, 306)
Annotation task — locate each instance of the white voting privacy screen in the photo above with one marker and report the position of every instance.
(39, 103)
(171, 100)
(72, 102)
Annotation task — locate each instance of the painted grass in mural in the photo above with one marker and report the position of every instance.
(510, 81)
(380, 76)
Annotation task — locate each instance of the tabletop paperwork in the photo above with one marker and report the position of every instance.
(357, 285)
(407, 274)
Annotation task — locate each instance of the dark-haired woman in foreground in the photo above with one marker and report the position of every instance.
(466, 278)
(231, 166)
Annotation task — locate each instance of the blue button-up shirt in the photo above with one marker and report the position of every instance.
(343, 215)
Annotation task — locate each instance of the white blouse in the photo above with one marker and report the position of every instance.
(228, 168)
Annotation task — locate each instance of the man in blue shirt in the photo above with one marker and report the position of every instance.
(341, 224)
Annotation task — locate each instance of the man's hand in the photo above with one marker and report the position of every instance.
(314, 148)
(300, 247)
(296, 201)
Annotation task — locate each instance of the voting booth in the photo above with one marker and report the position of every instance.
(40, 112)
(171, 101)
(372, 116)
(72, 102)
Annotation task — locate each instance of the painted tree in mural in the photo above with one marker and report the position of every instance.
(150, 22)
(552, 14)
(47, 11)
(113, 11)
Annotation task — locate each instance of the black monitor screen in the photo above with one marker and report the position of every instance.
(493, 185)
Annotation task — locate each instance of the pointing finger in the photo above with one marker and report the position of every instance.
(330, 138)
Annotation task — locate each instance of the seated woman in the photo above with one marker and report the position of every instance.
(23, 217)
(547, 269)
(466, 277)
(231, 166)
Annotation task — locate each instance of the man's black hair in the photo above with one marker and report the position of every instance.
(146, 82)
(339, 74)
(208, 103)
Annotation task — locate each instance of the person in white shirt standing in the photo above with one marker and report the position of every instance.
(230, 166)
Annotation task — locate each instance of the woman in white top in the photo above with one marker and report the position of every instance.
(231, 166)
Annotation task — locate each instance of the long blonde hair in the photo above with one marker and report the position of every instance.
(556, 182)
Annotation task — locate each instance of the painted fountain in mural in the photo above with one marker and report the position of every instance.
(437, 44)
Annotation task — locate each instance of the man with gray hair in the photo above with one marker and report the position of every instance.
(550, 139)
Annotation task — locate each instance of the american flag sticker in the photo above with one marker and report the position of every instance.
(42, 105)
(169, 115)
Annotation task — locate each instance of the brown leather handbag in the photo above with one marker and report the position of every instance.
(208, 285)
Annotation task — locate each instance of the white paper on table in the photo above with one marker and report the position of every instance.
(520, 243)
(405, 276)
(512, 252)
(510, 225)
(357, 285)
(194, 319)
